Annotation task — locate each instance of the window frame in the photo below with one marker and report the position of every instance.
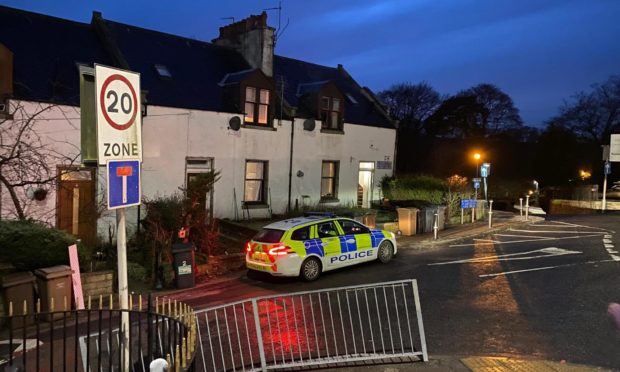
(263, 182)
(365, 228)
(335, 180)
(326, 113)
(253, 117)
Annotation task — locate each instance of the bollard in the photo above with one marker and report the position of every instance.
(435, 226)
(490, 213)
(521, 207)
(473, 214)
(527, 206)
(159, 365)
(462, 215)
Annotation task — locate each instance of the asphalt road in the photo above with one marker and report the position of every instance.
(538, 290)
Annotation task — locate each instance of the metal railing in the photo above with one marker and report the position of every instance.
(94, 339)
(313, 328)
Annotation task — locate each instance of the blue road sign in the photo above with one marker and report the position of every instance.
(468, 203)
(607, 168)
(476, 184)
(124, 187)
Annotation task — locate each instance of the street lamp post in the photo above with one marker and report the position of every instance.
(477, 157)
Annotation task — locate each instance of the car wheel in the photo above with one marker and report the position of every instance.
(386, 251)
(310, 269)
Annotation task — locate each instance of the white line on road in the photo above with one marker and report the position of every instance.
(522, 236)
(487, 241)
(608, 245)
(608, 241)
(541, 253)
(557, 232)
(547, 267)
(584, 226)
(530, 240)
(607, 236)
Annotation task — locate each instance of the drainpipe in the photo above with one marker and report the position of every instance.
(290, 165)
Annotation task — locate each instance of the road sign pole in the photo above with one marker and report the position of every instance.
(123, 289)
(462, 215)
(527, 206)
(604, 193)
(521, 207)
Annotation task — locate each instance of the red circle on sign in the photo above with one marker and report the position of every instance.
(107, 117)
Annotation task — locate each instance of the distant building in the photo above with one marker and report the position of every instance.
(283, 133)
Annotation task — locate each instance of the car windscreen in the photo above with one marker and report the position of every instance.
(268, 236)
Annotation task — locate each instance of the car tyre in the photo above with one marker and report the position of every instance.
(385, 251)
(310, 269)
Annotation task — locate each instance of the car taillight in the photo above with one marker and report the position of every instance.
(279, 250)
(248, 247)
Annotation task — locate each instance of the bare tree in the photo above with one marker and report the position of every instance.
(29, 154)
(595, 115)
(502, 115)
(411, 104)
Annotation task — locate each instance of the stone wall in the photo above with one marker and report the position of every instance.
(97, 283)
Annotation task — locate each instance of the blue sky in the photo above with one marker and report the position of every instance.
(540, 52)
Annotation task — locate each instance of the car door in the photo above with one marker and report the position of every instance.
(328, 233)
(357, 238)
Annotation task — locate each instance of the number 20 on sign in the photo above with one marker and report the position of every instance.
(119, 121)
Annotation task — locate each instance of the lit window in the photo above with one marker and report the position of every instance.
(331, 113)
(256, 105)
(163, 71)
(255, 181)
(329, 180)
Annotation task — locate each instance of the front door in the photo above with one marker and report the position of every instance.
(77, 212)
(364, 184)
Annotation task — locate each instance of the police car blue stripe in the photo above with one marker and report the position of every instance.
(347, 247)
(376, 237)
(314, 246)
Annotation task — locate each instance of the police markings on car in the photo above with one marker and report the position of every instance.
(308, 246)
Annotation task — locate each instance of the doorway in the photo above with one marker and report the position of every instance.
(77, 212)
(365, 183)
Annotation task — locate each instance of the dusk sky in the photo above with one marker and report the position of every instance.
(540, 52)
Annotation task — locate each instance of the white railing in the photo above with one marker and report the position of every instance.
(313, 328)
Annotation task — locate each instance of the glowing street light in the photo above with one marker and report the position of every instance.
(584, 174)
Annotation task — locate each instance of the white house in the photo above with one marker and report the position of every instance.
(283, 133)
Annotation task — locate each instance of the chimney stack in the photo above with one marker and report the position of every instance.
(253, 39)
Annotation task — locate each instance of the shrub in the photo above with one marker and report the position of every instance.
(136, 271)
(29, 245)
(418, 187)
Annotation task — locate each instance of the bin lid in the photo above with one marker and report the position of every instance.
(14, 279)
(182, 247)
(53, 272)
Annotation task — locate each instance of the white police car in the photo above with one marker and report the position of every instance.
(308, 246)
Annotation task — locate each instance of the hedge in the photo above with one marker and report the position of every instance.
(29, 245)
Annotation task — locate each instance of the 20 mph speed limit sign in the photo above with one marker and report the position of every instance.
(119, 119)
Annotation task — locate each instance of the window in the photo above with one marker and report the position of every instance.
(255, 181)
(329, 180)
(301, 234)
(256, 106)
(331, 113)
(268, 236)
(327, 230)
(350, 227)
(163, 71)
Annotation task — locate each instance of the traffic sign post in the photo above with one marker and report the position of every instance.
(119, 148)
(606, 171)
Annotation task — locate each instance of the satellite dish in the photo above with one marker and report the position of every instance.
(309, 124)
(234, 123)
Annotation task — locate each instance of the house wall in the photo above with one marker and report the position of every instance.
(55, 135)
(171, 135)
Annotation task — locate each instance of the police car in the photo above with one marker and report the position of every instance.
(307, 246)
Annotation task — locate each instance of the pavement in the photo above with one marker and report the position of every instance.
(477, 363)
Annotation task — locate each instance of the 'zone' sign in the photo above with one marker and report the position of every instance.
(119, 121)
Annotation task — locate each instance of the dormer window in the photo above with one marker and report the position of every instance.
(331, 113)
(256, 106)
(163, 72)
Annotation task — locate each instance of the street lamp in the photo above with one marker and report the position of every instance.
(477, 157)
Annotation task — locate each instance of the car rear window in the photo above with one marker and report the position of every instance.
(268, 236)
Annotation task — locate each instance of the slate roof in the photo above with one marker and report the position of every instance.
(46, 50)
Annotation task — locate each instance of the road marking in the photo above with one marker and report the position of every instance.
(615, 258)
(487, 240)
(546, 252)
(607, 241)
(547, 267)
(530, 240)
(608, 245)
(584, 226)
(607, 236)
(557, 232)
(523, 236)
